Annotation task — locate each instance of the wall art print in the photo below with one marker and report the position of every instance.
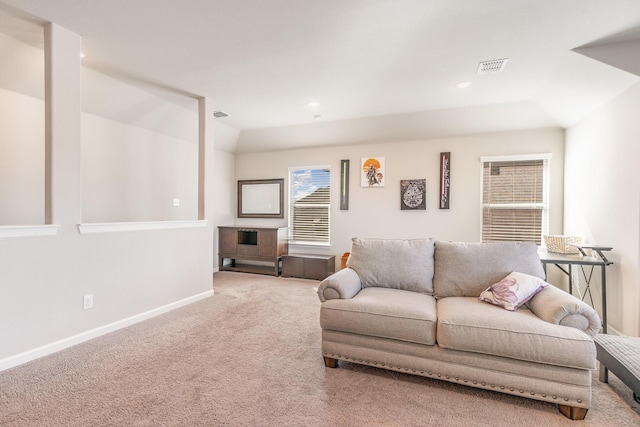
(372, 172)
(445, 180)
(413, 194)
(344, 185)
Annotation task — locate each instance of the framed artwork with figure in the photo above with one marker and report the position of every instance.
(372, 172)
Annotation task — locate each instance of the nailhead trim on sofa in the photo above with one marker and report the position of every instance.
(439, 375)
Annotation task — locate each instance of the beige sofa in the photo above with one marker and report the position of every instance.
(414, 306)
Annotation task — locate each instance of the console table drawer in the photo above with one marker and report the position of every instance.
(308, 266)
(247, 250)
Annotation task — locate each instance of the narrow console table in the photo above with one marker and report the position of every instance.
(258, 245)
(583, 260)
(308, 266)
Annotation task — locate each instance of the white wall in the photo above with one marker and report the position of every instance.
(133, 174)
(21, 159)
(224, 189)
(602, 199)
(21, 133)
(22, 67)
(163, 112)
(43, 280)
(139, 153)
(375, 212)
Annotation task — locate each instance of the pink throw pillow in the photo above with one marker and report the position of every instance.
(513, 291)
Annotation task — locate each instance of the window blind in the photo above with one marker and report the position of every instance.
(309, 205)
(515, 199)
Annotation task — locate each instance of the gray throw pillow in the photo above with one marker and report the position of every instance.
(467, 269)
(394, 263)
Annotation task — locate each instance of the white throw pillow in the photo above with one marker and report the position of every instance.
(513, 291)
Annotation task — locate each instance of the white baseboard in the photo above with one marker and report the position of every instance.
(62, 344)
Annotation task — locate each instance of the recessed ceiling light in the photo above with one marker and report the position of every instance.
(313, 104)
(83, 55)
(317, 117)
(220, 114)
(463, 85)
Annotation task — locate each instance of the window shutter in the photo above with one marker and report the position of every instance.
(515, 199)
(309, 205)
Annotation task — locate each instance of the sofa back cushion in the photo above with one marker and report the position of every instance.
(467, 269)
(394, 263)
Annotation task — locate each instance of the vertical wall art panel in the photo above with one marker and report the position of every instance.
(413, 194)
(372, 174)
(344, 185)
(445, 180)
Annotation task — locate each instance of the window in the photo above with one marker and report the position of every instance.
(309, 205)
(515, 198)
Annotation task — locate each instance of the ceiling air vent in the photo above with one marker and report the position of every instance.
(220, 114)
(492, 67)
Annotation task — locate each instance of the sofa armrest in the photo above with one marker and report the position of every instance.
(561, 308)
(343, 284)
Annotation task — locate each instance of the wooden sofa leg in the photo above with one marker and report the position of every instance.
(572, 412)
(330, 362)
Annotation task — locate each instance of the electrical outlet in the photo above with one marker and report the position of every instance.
(87, 302)
(176, 202)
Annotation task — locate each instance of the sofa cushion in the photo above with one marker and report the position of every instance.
(394, 263)
(384, 313)
(467, 324)
(467, 269)
(513, 291)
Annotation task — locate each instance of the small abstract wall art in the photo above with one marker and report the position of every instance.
(372, 174)
(413, 194)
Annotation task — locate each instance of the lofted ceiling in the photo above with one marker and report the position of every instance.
(379, 69)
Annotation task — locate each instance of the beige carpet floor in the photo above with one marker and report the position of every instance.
(250, 356)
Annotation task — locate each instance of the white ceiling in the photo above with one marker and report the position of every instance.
(377, 67)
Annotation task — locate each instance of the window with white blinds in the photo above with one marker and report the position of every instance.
(309, 205)
(515, 198)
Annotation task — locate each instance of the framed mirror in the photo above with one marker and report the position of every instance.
(261, 198)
